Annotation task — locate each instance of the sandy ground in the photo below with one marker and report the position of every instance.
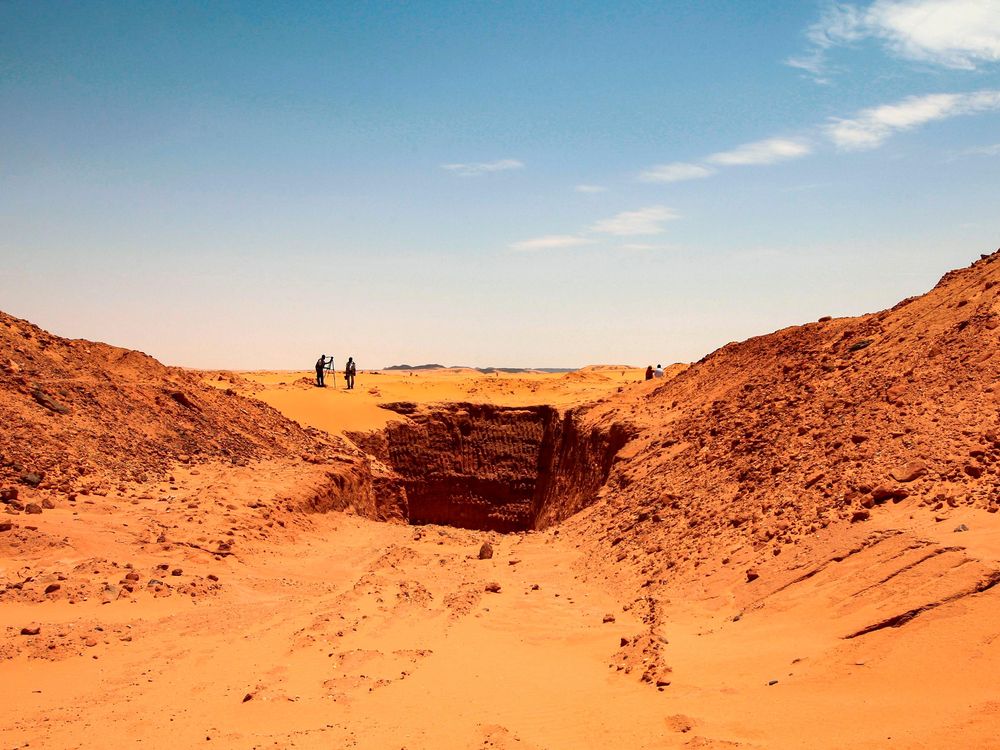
(336, 409)
(249, 626)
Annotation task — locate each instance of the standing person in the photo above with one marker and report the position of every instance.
(349, 372)
(658, 372)
(320, 365)
(649, 372)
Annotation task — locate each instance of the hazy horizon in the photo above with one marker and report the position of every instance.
(244, 187)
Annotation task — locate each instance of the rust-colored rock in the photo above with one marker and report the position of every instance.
(909, 471)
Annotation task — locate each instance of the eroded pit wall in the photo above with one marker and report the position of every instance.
(487, 467)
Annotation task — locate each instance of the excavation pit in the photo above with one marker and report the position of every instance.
(487, 467)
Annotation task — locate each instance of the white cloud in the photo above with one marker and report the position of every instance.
(647, 220)
(676, 172)
(872, 127)
(954, 33)
(590, 189)
(962, 34)
(477, 168)
(551, 242)
(767, 151)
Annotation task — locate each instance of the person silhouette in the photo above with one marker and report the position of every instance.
(320, 366)
(350, 370)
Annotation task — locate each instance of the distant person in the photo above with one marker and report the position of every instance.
(350, 370)
(658, 372)
(649, 372)
(320, 366)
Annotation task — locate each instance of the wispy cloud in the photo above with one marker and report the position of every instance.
(551, 242)
(676, 172)
(649, 220)
(993, 150)
(872, 127)
(590, 189)
(962, 34)
(474, 169)
(767, 151)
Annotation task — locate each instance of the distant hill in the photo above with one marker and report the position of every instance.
(415, 367)
(484, 370)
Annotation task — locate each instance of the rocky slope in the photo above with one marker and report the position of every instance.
(766, 441)
(78, 412)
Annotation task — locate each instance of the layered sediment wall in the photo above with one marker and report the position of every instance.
(481, 466)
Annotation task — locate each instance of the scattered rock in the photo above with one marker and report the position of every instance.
(960, 528)
(33, 509)
(608, 618)
(910, 471)
(176, 572)
(7, 494)
(752, 575)
(882, 493)
(48, 504)
(32, 629)
(52, 588)
(248, 697)
(860, 515)
(486, 551)
(493, 587)
(6, 526)
(31, 479)
(974, 471)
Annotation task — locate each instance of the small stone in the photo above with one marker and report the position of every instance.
(960, 528)
(32, 629)
(493, 587)
(6, 526)
(52, 588)
(752, 575)
(33, 509)
(486, 551)
(772, 682)
(248, 697)
(133, 576)
(48, 504)
(623, 642)
(90, 643)
(860, 515)
(213, 577)
(176, 572)
(974, 471)
(608, 618)
(534, 587)
(8, 493)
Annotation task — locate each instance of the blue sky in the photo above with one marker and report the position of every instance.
(525, 184)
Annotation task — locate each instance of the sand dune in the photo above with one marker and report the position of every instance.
(792, 543)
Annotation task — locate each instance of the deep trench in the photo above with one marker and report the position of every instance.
(487, 467)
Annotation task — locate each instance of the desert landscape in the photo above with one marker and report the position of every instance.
(793, 542)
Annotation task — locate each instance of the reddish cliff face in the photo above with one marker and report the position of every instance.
(488, 467)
